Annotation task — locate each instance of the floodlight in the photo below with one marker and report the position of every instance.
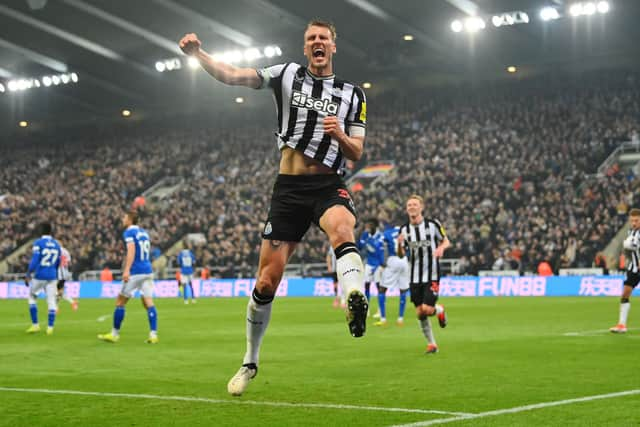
(474, 24)
(575, 9)
(549, 13)
(193, 62)
(588, 8)
(269, 51)
(603, 6)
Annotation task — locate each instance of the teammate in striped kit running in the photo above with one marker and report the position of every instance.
(632, 245)
(321, 123)
(424, 240)
(63, 275)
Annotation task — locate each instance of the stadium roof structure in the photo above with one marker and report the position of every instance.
(113, 47)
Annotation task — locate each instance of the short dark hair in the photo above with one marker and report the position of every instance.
(634, 212)
(133, 216)
(46, 228)
(322, 23)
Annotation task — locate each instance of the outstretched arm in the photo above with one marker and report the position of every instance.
(225, 73)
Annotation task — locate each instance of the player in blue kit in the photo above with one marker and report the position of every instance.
(186, 261)
(44, 265)
(395, 273)
(371, 246)
(136, 275)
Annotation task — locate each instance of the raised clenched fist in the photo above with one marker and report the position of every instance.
(190, 44)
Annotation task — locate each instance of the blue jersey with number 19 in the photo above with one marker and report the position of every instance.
(140, 238)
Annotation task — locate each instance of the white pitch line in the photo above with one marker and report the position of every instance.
(517, 409)
(231, 402)
(103, 318)
(591, 333)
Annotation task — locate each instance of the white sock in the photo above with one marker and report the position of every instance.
(67, 298)
(258, 316)
(624, 312)
(350, 272)
(427, 331)
(439, 309)
(153, 334)
(115, 332)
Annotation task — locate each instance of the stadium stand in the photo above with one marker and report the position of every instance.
(508, 167)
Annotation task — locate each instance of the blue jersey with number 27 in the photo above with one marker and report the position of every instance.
(140, 238)
(46, 258)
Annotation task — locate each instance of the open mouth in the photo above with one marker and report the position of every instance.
(318, 53)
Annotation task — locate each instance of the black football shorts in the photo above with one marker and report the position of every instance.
(299, 200)
(424, 293)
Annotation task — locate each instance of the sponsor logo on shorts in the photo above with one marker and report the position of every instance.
(344, 193)
(268, 228)
(302, 100)
(351, 270)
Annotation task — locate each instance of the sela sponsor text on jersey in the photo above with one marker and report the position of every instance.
(302, 100)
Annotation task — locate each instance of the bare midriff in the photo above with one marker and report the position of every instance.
(293, 162)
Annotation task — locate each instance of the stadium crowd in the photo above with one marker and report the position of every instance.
(508, 168)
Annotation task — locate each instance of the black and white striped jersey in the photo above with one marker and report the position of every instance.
(632, 244)
(420, 242)
(304, 100)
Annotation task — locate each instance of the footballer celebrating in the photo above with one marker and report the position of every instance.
(321, 124)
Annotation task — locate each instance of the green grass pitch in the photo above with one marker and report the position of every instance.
(496, 353)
